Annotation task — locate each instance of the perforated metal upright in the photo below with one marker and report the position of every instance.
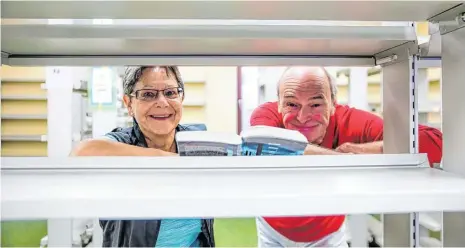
(400, 127)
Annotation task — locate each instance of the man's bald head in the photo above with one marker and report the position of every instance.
(307, 98)
(308, 74)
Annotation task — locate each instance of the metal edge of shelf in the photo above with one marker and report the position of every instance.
(23, 97)
(449, 14)
(214, 162)
(23, 117)
(190, 60)
(393, 33)
(40, 138)
(278, 10)
(137, 193)
(210, 31)
(21, 80)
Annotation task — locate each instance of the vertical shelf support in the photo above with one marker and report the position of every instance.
(59, 85)
(400, 113)
(453, 119)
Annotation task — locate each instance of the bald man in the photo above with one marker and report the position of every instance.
(307, 103)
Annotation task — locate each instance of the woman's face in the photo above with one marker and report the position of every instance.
(156, 102)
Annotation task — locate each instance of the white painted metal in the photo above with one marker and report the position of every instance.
(59, 84)
(232, 9)
(453, 118)
(400, 125)
(138, 193)
(55, 41)
(228, 162)
(190, 60)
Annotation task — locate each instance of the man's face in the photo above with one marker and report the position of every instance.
(156, 102)
(305, 102)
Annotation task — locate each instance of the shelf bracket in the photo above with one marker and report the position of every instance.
(397, 54)
(450, 20)
(5, 56)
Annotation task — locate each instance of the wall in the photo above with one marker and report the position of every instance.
(211, 97)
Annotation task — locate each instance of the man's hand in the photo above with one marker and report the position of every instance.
(366, 148)
(316, 150)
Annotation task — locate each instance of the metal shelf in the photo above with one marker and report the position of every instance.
(162, 187)
(24, 97)
(201, 42)
(24, 117)
(275, 10)
(41, 138)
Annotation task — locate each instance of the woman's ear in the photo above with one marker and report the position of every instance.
(128, 104)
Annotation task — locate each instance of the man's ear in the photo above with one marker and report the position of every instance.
(280, 108)
(334, 103)
(128, 104)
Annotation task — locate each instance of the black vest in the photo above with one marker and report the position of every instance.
(144, 233)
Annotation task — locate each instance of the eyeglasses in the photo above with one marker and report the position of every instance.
(150, 94)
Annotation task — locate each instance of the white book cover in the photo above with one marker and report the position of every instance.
(208, 143)
(267, 141)
(255, 141)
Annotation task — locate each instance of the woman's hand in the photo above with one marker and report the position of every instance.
(99, 147)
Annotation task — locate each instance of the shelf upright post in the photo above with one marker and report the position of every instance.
(453, 122)
(400, 114)
(59, 86)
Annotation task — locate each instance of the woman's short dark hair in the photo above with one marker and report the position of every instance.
(132, 75)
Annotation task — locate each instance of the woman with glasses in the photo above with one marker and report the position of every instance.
(153, 96)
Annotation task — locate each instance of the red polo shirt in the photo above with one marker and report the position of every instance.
(346, 125)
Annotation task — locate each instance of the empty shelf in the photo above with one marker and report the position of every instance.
(24, 97)
(188, 42)
(42, 138)
(155, 187)
(271, 10)
(24, 117)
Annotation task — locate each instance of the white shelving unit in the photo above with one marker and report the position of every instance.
(257, 194)
(282, 35)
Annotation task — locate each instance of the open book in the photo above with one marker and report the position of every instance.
(255, 141)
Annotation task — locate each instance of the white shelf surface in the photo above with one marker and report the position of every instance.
(233, 191)
(385, 10)
(23, 117)
(41, 138)
(200, 43)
